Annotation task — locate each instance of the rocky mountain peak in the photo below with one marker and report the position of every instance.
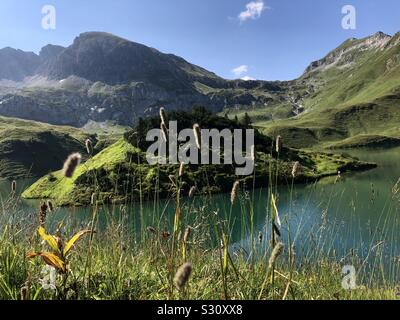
(50, 51)
(16, 64)
(349, 51)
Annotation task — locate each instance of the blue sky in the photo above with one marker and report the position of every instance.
(273, 40)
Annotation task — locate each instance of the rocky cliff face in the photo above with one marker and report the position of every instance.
(66, 104)
(15, 64)
(349, 52)
(98, 56)
(103, 77)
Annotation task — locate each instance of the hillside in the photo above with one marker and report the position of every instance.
(33, 149)
(120, 172)
(101, 77)
(355, 96)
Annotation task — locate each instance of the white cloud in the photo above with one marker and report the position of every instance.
(247, 78)
(253, 10)
(240, 70)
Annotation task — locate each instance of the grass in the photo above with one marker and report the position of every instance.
(33, 149)
(137, 255)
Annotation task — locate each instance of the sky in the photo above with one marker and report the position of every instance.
(250, 39)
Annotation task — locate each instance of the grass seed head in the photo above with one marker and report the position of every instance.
(187, 234)
(197, 135)
(296, 169)
(42, 214)
(253, 153)
(71, 164)
(181, 169)
(182, 275)
(164, 131)
(151, 229)
(89, 146)
(234, 191)
(50, 205)
(192, 191)
(24, 293)
(276, 252)
(163, 116)
(278, 144)
(93, 199)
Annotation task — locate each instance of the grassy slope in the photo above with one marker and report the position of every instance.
(58, 187)
(29, 148)
(115, 175)
(358, 103)
(33, 149)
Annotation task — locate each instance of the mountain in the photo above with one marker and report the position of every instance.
(98, 56)
(15, 64)
(351, 94)
(103, 77)
(349, 98)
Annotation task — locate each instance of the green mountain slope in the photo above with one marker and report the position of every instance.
(356, 96)
(33, 149)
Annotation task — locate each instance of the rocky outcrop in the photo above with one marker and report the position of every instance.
(346, 53)
(64, 105)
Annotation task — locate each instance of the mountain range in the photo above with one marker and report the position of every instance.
(352, 93)
(102, 77)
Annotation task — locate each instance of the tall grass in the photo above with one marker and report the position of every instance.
(194, 253)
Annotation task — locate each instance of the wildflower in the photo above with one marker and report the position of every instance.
(57, 258)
